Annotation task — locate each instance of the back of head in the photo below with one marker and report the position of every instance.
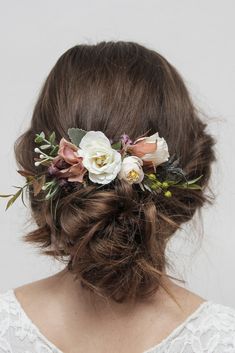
(114, 238)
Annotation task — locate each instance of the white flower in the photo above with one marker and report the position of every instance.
(99, 158)
(131, 170)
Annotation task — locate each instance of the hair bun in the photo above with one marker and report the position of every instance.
(114, 238)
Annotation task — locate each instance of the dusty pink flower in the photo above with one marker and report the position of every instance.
(68, 164)
(140, 148)
(152, 149)
(73, 173)
(68, 151)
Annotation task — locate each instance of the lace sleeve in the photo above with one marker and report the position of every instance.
(222, 323)
(211, 330)
(5, 346)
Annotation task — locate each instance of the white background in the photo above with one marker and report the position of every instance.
(195, 36)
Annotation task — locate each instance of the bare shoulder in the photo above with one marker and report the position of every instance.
(187, 300)
(34, 288)
(40, 293)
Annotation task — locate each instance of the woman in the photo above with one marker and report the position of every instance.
(116, 159)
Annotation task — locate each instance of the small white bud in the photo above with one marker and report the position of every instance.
(37, 150)
(37, 164)
(41, 156)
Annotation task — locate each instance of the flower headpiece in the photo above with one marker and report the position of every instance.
(91, 158)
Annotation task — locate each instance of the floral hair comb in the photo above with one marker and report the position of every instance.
(91, 158)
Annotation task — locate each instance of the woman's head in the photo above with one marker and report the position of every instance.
(114, 238)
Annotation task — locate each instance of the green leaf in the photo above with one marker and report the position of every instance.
(39, 137)
(195, 186)
(184, 184)
(191, 186)
(2, 195)
(54, 151)
(147, 187)
(76, 134)
(45, 147)
(22, 198)
(13, 199)
(30, 178)
(117, 145)
(52, 192)
(194, 180)
(171, 182)
(52, 138)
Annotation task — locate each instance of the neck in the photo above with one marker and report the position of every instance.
(65, 283)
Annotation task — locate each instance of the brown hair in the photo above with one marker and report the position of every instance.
(114, 238)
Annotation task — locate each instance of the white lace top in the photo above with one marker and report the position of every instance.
(210, 329)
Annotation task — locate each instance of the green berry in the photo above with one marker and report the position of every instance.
(152, 176)
(165, 184)
(167, 193)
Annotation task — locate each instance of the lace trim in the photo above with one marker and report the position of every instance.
(173, 333)
(210, 328)
(180, 327)
(29, 323)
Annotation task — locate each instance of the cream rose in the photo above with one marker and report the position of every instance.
(99, 158)
(150, 149)
(131, 170)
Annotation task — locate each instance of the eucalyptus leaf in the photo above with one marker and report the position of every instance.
(76, 134)
(2, 195)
